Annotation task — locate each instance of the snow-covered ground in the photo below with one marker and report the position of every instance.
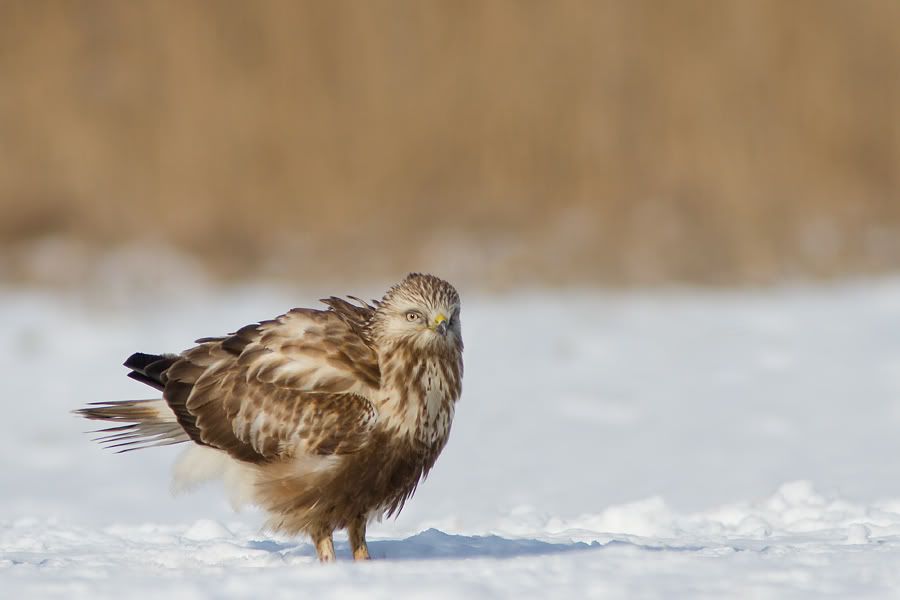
(664, 444)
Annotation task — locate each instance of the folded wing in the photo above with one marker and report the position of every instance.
(300, 384)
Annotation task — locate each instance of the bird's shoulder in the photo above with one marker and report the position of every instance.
(304, 350)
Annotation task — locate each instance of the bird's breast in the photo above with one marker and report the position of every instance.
(437, 406)
(421, 407)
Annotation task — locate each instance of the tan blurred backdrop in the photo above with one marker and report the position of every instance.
(615, 142)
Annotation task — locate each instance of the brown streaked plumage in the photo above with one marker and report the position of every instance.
(329, 417)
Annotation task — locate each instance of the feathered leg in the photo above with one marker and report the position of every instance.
(357, 533)
(324, 546)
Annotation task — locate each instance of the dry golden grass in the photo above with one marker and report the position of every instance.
(707, 141)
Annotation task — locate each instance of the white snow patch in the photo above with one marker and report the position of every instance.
(632, 445)
(206, 529)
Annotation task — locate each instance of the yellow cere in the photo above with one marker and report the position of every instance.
(439, 319)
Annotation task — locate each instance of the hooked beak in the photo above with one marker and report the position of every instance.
(440, 324)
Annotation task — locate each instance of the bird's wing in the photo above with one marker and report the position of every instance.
(299, 384)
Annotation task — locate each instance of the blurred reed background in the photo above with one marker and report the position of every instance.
(504, 143)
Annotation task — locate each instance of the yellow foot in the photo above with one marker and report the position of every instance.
(361, 553)
(325, 549)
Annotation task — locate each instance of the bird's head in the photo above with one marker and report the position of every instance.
(422, 310)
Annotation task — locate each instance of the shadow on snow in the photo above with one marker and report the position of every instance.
(434, 544)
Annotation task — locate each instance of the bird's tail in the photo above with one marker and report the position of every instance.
(142, 424)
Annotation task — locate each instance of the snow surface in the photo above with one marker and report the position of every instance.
(664, 444)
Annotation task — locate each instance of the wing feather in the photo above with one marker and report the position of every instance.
(295, 385)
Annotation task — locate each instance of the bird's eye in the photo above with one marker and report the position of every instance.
(413, 316)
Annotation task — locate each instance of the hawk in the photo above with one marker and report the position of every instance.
(326, 419)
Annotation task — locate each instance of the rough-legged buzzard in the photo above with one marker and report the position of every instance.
(325, 418)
